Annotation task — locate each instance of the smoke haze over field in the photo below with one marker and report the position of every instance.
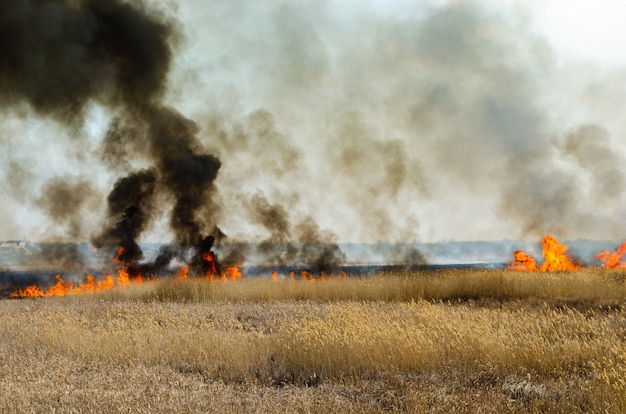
(327, 122)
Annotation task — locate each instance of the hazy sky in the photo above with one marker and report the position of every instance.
(382, 120)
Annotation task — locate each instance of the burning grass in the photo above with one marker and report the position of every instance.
(448, 341)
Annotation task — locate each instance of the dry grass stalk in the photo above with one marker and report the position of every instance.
(483, 340)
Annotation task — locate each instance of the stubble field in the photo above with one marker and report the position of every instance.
(449, 341)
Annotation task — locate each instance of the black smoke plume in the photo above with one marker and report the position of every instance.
(129, 210)
(59, 56)
(301, 244)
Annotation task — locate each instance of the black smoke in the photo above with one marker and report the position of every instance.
(60, 56)
(129, 211)
(302, 243)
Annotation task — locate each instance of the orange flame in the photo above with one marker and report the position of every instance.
(183, 273)
(31, 291)
(556, 258)
(210, 259)
(523, 262)
(119, 254)
(233, 273)
(613, 260)
(62, 288)
(306, 276)
(91, 285)
(554, 254)
(124, 279)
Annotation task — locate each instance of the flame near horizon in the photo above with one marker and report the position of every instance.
(298, 127)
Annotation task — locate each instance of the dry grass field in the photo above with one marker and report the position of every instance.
(449, 341)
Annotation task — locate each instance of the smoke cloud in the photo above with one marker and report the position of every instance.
(300, 126)
(300, 244)
(64, 198)
(59, 56)
(448, 121)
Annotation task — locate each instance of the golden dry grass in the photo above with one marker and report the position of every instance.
(595, 285)
(452, 341)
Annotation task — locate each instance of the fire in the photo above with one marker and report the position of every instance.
(90, 285)
(523, 262)
(209, 258)
(125, 279)
(275, 276)
(233, 273)
(62, 288)
(31, 291)
(306, 276)
(120, 253)
(554, 253)
(183, 273)
(556, 258)
(613, 260)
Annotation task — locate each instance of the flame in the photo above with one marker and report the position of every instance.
(306, 276)
(31, 291)
(554, 254)
(124, 279)
(183, 273)
(62, 288)
(118, 256)
(523, 262)
(90, 285)
(209, 258)
(613, 260)
(233, 273)
(556, 258)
